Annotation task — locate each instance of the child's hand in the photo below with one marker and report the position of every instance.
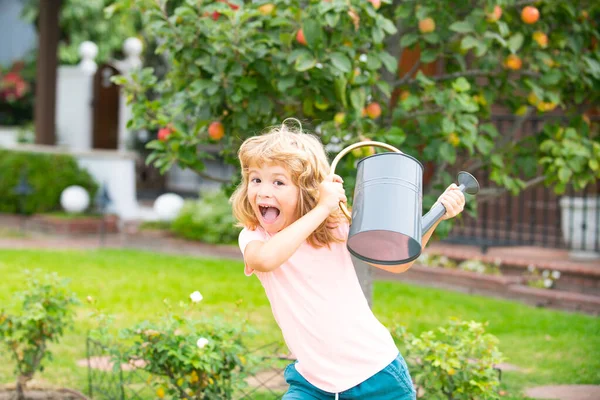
(454, 201)
(331, 192)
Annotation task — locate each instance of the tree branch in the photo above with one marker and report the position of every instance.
(212, 178)
(422, 112)
(492, 193)
(407, 76)
(518, 123)
(471, 73)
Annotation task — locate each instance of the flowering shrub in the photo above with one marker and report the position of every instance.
(188, 357)
(544, 280)
(46, 311)
(209, 219)
(455, 361)
(478, 266)
(16, 94)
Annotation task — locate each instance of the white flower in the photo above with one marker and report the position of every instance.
(556, 274)
(546, 273)
(196, 297)
(547, 283)
(202, 342)
(531, 268)
(319, 65)
(363, 58)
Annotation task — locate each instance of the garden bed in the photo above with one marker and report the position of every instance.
(64, 224)
(504, 286)
(43, 394)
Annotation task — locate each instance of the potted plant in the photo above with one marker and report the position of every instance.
(579, 222)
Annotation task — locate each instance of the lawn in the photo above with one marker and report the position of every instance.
(550, 347)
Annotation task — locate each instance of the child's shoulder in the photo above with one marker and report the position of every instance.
(247, 234)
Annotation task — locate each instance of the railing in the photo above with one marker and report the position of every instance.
(534, 217)
(123, 382)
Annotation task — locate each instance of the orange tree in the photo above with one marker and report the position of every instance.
(342, 65)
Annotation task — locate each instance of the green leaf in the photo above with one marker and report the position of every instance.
(515, 42)
(155, 145)
(409, 39)
(286, 82)
(390, 63)
(305, 62)
(461, 27)
(312, 32)
(340, 84)
(495, 36)
(551, 77)
(385, 88)
(429, 55)
(448, 126)
(377, 34)
(496, 160)
(468, 42)
(341, 62)
(332, 19)
(503, 28)
(423, 80)
(358, 98)
(484, 145)
(461, 85)
(388, 26)
(307, 106)
(564, 174)
(593, 65)
(373, 62)
(490, 129)
(432, 38)
(448, 152)
(480, 49)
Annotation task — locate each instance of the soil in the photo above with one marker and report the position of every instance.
(44, 394)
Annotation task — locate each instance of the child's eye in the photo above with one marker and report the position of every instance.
(279, 183)
(255, 180)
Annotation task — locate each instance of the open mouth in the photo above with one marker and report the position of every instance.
(269, 213)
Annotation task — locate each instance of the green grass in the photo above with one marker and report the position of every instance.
(551, 347)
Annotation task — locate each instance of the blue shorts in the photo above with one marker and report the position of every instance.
(391, 383)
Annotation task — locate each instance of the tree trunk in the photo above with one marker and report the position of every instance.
(21, 383)
(45, 91)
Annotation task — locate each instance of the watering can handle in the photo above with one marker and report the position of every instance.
(347, 150)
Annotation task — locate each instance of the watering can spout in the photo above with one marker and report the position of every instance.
(466, 183)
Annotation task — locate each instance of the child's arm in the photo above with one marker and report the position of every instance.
(454, 202)
(268, 256)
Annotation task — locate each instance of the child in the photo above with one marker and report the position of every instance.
(294, 241)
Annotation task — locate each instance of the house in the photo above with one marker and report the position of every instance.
(90, 116)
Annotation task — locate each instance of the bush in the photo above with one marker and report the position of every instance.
(45, 314)
(455, 361)
(48, 175)
(209, 220)
(188, 356)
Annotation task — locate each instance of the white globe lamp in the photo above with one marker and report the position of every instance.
(74, 199)
(167, 206)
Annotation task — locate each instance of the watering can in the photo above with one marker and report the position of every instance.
(386, 226)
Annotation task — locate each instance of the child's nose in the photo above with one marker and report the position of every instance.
(264, 191)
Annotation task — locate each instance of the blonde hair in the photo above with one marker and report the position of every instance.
(301, 154)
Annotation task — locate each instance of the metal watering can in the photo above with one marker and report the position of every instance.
(386, 226)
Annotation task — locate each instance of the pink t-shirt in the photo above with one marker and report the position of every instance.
(324, 316)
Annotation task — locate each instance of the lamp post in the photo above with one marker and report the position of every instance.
(103, 200)
(23, 190)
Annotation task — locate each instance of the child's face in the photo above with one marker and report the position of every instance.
(273, 196)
